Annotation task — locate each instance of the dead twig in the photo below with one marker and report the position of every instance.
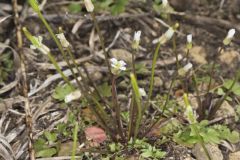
(24, 80)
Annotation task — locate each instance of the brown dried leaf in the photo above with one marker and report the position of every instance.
(95, 134)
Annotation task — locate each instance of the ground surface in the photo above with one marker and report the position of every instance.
(208, 21)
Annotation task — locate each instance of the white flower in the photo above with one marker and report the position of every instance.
(137, 36)
(166, 36)
(38, 45)
(63, 40)
(231, 33)
(189, 38)
(117, 66)
(185, 69)
(142, 92)
(229, 37)
(164, 3)
(169, 33)
(189, 41)
(136, 40)
(89, 5)
(72, 96)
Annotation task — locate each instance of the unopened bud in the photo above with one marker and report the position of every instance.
(229, 37)
(136, 40)
(89, 5)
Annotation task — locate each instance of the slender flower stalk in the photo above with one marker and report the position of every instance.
(226, 42)
(162, 40)
(192, 120)
(138, 99)
(134, 108)
(224, 97)
(98, 110)
(75, 138)
(37, 43)
(117, 108)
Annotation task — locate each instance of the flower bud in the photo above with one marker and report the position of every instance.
(166, 36)
(189, 41)
(136, 40)
(36, 42)
(185, 69)
(63, 40)
(89, 5)
(165, 3)
(229, 37)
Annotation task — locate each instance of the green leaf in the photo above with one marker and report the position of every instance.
(234, 137)
(211, 136)
(235, 89)
(74, 8)
(146, 153)
(159, 154)
(119, 7)
(46, 153)
(40, 144)
(105, 90)
(51, 137)
(61, 91)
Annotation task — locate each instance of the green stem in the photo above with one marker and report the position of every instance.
(212, 70)
(164, 106)
(117, 108)
(138, 103)
(58, 44)
(131, 118)
(101, 42)
(75, 138)
(52, 59)
(155, 56)
(223, 98)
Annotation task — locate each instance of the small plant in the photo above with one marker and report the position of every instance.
(147, 150)
(210, 134)
(125, 128)
(47, 145)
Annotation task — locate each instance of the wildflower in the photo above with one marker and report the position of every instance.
(72, 96)
(117, 66)
(185, 69)
(166, 36)
(37, 44)
(165, 3)
(229, 37)
(142, 92)
(189, 113)
(189, 41)
(63, 40)
(89, 5)
(136, 40)
(189, 38)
